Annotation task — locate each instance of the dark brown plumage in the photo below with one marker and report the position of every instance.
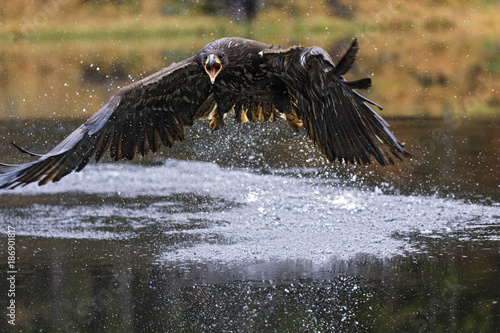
(256, 80)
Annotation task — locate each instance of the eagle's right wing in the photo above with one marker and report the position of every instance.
(336, 118)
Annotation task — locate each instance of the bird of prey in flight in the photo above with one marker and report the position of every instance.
(253, 80)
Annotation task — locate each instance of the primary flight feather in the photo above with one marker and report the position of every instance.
(256, 80)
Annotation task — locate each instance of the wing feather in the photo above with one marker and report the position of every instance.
(137, 118)
(337, 118)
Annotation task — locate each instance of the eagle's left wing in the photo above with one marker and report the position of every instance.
(336, 117)
(137, 118)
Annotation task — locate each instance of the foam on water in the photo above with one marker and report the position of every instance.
(235, 215)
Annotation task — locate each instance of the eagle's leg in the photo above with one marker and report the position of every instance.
(286, 103)
(293, 121)
(217, 121)
(225, 101)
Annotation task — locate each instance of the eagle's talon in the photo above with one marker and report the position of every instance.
(216, 123)
(294, 122)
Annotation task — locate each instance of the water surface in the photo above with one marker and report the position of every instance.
(249, 229)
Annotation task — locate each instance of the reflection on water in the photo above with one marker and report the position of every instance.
(245, 229)
(85, 285)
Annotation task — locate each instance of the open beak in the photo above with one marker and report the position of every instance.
(213, 67)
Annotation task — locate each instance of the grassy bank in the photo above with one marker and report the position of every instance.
(426, 59)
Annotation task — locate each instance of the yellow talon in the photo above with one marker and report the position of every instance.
(294, 122)
(217, 122)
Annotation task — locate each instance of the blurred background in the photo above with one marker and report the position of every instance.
(61, 58)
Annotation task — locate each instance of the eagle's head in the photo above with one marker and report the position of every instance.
(213, 62)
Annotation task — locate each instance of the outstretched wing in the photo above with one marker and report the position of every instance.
(336, 117)
(137, 118)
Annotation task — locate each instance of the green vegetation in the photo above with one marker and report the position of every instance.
(427, 58)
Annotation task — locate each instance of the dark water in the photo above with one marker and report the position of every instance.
(250, 230)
